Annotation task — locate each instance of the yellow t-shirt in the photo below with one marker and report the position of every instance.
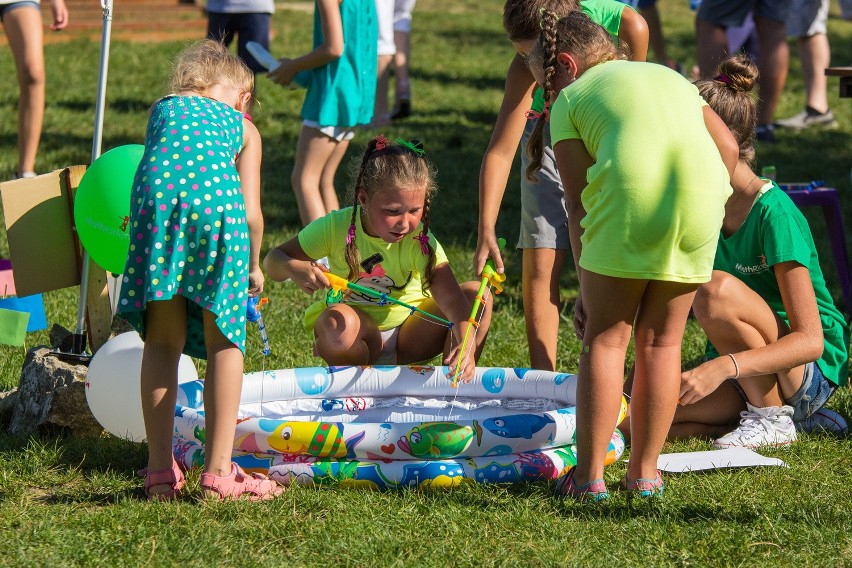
(656, 193)
(395, 269)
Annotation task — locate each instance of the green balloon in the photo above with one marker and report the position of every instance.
(102, 206)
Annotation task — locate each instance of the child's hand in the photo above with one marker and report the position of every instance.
(704, 379)
(309, 276)
(284, 73)
(256, 281)
(467, 370)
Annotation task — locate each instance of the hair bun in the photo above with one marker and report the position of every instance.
(741, 71)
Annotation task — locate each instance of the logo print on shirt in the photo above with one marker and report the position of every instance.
(751, 269)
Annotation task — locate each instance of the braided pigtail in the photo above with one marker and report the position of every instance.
(353, 257)
(425, 246)
(547, 46)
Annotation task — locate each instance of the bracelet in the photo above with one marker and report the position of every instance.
(736, 366)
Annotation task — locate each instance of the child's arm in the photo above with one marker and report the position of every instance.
(330, 49)
(455, 306)
(290, 261)
(497, 162)
(573, 162)
(634, 32)
(248, 166)
(802, 344)
(725, 141)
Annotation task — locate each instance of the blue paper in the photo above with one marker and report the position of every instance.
(34, 305)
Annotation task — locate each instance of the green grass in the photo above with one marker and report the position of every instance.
(70, 501)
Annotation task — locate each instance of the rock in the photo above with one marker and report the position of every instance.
(52, 393)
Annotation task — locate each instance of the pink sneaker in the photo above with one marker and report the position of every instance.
(594, 490)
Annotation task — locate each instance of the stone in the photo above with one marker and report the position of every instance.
(52, 393)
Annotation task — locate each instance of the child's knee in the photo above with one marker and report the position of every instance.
(337, 328)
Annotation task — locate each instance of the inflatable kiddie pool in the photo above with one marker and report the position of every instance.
(386, 427)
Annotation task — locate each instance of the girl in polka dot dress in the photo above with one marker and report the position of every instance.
(194, 259)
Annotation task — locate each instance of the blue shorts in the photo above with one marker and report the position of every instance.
(250, 26)
(5, 8)
(730, 13)
(639, 4)
(811, 396)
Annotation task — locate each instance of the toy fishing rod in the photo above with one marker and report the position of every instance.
(491, 277)
(253, 316)
(339, 284)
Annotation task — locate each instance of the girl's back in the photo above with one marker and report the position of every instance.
(342, 93)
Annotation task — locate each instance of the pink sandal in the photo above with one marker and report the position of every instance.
(594, 490)
(256, 487)
(172, 476)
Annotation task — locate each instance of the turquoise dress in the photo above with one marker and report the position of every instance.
(188, 231)
(343, 92)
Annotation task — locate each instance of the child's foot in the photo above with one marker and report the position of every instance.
(238, 484)
(594, 490)
(644, 487)
(164, 485)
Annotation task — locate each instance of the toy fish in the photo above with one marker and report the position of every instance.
(517, 425)
(439, 439)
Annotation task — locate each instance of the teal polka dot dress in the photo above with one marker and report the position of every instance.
(188, 230)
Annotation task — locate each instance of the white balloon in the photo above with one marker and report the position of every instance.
(113, 384)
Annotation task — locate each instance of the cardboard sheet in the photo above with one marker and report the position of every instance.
(714, 459)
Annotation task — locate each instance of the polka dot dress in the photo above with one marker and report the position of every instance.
(188, 231)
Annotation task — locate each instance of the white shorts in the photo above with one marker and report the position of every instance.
(384, 16)
(807, 18)
(402, 15)
(339, 133)
(390, 337)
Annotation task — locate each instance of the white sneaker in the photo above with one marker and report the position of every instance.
(770, 426)
(824, 421)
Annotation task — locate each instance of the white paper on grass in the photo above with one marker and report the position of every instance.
(714, 459)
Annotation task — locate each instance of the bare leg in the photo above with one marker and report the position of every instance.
(165, 335)
(402, 88)
(313, 151)
(712, 42)
(381, 112)
(346, 336)
(329, 194)
(660, 325)
(655, 34)
(815, 56)
(774, 61)
(607, 334)
(24, 32)
(222, 387)
(540, 285)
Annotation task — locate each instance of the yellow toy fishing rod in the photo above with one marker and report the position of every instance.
(491, 277)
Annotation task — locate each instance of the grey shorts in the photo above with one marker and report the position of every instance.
(544, 219)
(811, 396)
(732, 13)
(807, 18)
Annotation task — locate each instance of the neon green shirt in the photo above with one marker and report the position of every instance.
(776, 231)
(606, 13)
(656, 193)
(398, 274)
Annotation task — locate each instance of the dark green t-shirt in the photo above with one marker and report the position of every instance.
(776, 231)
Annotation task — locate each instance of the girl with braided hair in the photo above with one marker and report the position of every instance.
(543, 231)
(641, 159)
(383, 242)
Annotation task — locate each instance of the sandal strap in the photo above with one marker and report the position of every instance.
(238, 484)
(565, 485)
(172, 476)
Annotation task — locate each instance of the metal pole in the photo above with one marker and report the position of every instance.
(79, 344)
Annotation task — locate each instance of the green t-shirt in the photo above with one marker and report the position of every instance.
(776, 231)
(655, 195)
(397, 271)
(607, 14)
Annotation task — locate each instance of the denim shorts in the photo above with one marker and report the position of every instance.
(811, 396)
(807, 18)
(544, 219)
(4, 8)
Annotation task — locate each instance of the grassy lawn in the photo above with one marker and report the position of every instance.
(68, 501)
